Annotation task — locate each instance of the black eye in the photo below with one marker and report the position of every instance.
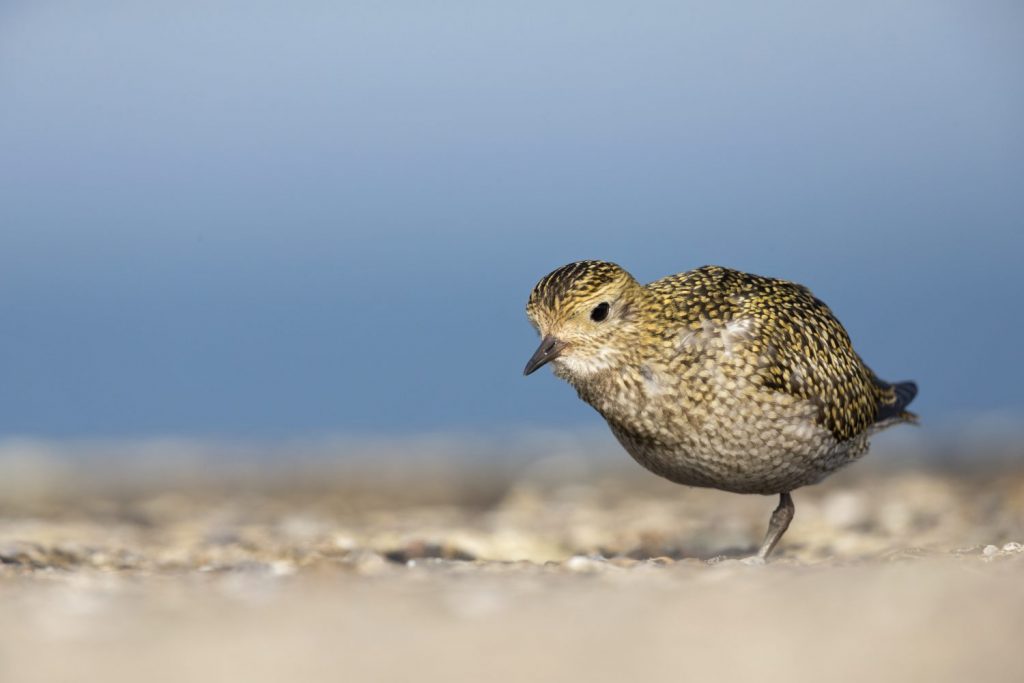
(600, 312)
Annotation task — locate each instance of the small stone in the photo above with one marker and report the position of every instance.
(990, 550)
(624, 562)
(367, 562)
(721, 561)
(582, 563)
(1012, 547)
(422, 550)
(282, 568)
(896, 518)
(344, 542)
(846, 510)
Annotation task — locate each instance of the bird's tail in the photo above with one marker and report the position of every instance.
(893, 400)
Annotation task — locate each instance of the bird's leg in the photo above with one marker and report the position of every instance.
(781, 518)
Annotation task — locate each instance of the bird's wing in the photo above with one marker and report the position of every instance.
(806, 352)
(791, 338)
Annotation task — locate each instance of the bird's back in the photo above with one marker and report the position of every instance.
(792, 342)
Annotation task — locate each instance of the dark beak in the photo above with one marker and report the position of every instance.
(548, 350)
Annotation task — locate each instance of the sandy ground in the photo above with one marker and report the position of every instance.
(554, 570)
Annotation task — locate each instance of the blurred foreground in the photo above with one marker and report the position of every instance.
(395, 566)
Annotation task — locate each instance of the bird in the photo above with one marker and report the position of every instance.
(714, 377)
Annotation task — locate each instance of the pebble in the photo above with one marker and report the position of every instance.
(846, 509)
(282, 568)
(422, 550)
(344, 543)
(582, 563)
(367, 562)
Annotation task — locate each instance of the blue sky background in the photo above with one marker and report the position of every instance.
(265, 220)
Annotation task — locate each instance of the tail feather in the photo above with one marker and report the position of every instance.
(894, 400)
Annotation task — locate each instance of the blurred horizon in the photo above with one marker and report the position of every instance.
(256, 222)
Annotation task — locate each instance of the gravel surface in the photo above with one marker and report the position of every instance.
(550, 571)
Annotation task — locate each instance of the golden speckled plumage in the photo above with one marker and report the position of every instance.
(714, 377)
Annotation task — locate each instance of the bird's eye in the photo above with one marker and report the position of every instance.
(600, 312)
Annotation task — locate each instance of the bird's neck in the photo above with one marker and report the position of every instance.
(603, 375)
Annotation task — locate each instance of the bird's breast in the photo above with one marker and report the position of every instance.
(704, 425)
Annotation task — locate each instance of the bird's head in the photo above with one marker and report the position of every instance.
(584, 313)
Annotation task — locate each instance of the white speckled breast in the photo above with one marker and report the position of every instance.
(703, 420)
(759, 451)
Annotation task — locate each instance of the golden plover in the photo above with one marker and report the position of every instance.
(715, 377)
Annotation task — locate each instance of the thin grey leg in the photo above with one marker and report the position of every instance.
(781, 518)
